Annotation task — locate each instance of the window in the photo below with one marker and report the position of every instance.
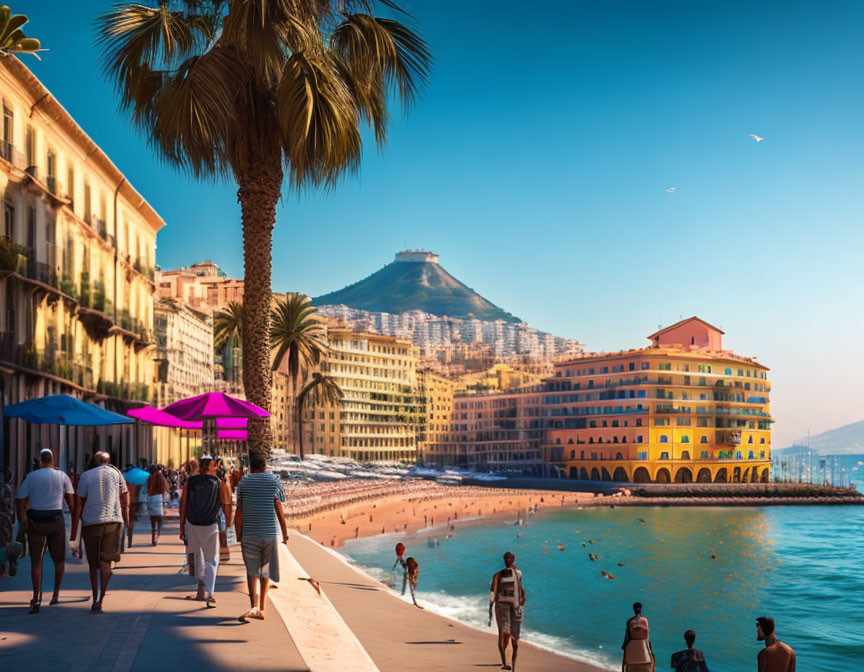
(572, 454)
(664, 456)
(664, 438)
(8, 119)
(704, 439)
(30, 147)
(685, 439)
(9, 223)
(642, 456)
(639, 440)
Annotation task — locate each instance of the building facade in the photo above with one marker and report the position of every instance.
(184, 352)
(680, 410)
(77, 260)
(381, 415)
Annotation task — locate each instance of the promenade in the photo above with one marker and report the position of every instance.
(147, 625)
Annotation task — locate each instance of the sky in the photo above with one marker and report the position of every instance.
(537, 162)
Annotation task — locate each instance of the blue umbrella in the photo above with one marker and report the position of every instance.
(136, 476)
(62, 409)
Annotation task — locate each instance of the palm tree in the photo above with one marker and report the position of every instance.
(297, 334)
(228, 325)
(323, 390)
(248, 90)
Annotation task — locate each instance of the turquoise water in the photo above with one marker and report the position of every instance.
(802, 565)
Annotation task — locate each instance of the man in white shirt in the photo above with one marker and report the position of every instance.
(102, 507)
(40, 510)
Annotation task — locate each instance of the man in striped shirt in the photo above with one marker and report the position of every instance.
(259, 508)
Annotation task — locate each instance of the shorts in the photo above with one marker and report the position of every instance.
(51, 535)
(261, 557)
(102, 542)
(509, 619)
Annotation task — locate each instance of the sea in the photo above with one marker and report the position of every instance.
(710, 569)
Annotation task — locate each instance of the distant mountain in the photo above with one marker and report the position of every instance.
(415, 281)
(845, 440)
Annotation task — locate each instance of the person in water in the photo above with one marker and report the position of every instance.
(507, 599)
(690, 659)
(776, 656)
(638, 656)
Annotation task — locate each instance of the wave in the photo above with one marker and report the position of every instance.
(473, 610)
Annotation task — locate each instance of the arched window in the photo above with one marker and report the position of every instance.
(570, 441)
(750, 455)
(750, 440)
(704, 455)
(614, 439)
(685, 439)
(572, 454)
(664, 439)
(704, 439)
(590, 439)
(664, 456)
(558, 441)
(593, 423)
(762, 440)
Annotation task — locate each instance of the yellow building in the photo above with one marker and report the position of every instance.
(381, 416)
(681, 410)
(77, 264)
(436, 402)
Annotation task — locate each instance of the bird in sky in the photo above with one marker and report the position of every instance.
(670, 190)
(755, 137)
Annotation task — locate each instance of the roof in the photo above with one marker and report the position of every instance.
(677, 351)
(678, 324)
(51, 107)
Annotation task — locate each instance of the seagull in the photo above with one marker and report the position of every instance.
(755, 137)
(670, 190)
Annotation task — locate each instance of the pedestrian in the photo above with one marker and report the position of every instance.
(260, 497)
(102, 506)
(157, 487)
(638, 656)
(40, 501)
(400, 560)
(134, 508)
(690, 659)
(776, 656)
(199, 525)
(412, 573)
(223, 475)
(507, 599)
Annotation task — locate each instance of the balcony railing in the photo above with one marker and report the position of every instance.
(123, 390)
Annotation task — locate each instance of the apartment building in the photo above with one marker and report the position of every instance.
(77, 259)
(184, 352)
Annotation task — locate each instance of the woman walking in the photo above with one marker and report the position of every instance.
(157, 486)
(638, 656)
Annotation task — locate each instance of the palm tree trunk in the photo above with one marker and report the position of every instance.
(259, 189)
(300, 430)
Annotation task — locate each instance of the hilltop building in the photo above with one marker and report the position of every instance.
(77, 262)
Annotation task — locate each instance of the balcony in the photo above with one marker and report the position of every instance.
(54, 186)
(124, 391)
(75, 369)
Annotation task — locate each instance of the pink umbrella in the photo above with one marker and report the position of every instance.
(214, 405)
(156, 417)
(231, 435)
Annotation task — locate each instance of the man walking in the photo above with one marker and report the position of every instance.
(202, 498)
(40, 500)
(507, 598)
(776, 656)
(259, 508)
(103, 508)
(690, 659)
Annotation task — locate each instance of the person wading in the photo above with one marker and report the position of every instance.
(690, 659)
(199, 525)
(507, 599)
(103, 507)
(776, 656)
(40, 499)
(638, 656)
(259, 510)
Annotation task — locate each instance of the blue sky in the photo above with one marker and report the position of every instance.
(536, 165)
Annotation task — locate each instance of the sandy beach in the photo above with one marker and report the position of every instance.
(331, 513)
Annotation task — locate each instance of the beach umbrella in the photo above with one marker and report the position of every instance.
(63, 409)
(136, 476)
(154, 416)
(214, 405)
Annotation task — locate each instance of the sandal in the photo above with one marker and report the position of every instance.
(54, 600)
(252, 613)
(210, 602)
(96, 608)
(34, 606)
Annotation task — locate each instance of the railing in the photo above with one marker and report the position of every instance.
(123, 390)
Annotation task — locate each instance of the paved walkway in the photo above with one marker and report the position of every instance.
(147, 624)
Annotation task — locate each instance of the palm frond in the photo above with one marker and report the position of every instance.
(380, 57)
(193, 117)
(318, 120)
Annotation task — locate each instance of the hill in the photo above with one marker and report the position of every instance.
(845, 440)
(415, 281)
